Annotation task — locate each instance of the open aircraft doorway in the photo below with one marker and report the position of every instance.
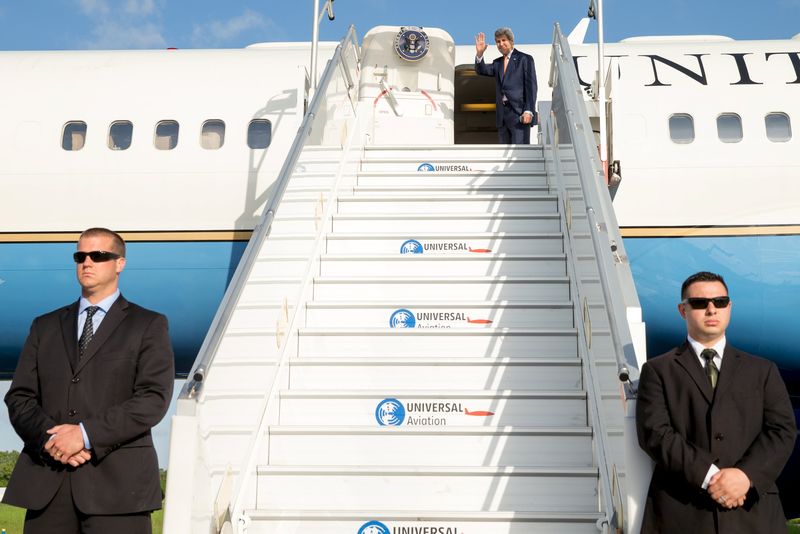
(474, 107)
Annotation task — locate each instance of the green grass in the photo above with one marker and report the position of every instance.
(12, 518)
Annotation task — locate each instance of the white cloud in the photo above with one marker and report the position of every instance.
(115, 36)
(140, 8)
(221, 32)
(94, 7)
(123, 25)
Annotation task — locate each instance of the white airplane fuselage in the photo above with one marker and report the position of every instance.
(187, 212)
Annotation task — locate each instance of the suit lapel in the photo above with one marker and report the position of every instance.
(687, 359)
(69, 333)
(727, 373)
(116, 314)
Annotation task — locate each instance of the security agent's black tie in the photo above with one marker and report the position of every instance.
(88, 331)
(712, 372)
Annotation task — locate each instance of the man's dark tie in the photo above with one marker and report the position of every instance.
(88, 331)
(711, 368)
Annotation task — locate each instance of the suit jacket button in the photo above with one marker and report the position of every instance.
(719, 437)
(72, 413)
(76, 380)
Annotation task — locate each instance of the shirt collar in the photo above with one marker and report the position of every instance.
(104, 304)
(698, 347)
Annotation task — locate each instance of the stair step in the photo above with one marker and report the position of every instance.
(418, 179)
(430, 264)
(457, 152)
(500, 203)
(394, 222)
(415, 522)
(443, 314)
(452, 243)
(448, 189)
(430, 446)
(429, 489)
(461, 164)
(475, 264)
(478, 343)
(429, 373)
(455, 288)
(413, 408)
(410, 446)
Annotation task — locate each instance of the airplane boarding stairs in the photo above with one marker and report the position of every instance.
(413, 350)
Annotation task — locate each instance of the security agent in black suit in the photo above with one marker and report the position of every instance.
(92, 380)
(717, 422)
(514, 74)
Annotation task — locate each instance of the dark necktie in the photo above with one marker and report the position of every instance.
(88, 330)
(711, 368)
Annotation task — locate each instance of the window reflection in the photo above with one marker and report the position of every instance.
(681, 128)
(166, 135)
(779, 128)
(213, 134)
(259, 133)
(74, 136)
(729, 128)
(119, 135)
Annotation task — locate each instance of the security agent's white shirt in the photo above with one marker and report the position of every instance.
(698, 347)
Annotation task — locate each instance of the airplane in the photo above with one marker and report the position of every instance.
(179, 149)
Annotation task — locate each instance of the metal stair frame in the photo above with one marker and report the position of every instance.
(337, 86)
(567, 130)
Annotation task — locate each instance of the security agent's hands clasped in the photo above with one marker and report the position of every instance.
(66, 445)
(729, 487)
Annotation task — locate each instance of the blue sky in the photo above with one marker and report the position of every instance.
(81, 24)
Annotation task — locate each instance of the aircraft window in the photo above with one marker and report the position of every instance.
(681, 128)
(74, 136)
(213, 136)
(729, 128)
(166, 135)
(119, 135)
(779, 128)
(259, 133)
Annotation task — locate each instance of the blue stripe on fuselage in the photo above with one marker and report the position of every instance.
(763, 276)
(183, 280)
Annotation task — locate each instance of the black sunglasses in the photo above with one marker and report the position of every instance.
(98, 256)
(701, 303)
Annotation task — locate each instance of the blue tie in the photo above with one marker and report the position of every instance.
(88, 331)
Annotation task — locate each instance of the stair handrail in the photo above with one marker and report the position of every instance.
(609, 251)
(208, 350)
(613, 266)
(237, 520)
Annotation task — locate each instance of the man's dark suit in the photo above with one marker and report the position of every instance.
(120, 389)
(684, 425)
(520, 88)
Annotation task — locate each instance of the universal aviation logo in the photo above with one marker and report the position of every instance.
(405, 318)
(412, 246)
(402, 318)
(376, 527)
(430, 167)
(390, 412)
(393, 412)
(373, 527)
